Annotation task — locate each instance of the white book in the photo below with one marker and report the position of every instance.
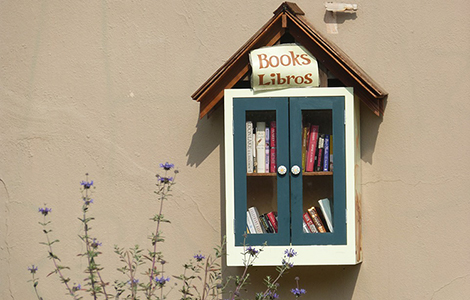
(254, 214)
(249, 147)
(305, 227)
(249, 223)
(326, 209)
(261, 147)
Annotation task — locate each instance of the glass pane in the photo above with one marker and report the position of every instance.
(317, 171)
(261, 179)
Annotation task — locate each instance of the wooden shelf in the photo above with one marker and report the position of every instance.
(326, 173)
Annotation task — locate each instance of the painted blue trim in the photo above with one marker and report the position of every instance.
(240, 107)
(336, 105)
(289, 187)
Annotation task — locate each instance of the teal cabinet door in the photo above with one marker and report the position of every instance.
(318, 193)
(292, 191)
(258, 188)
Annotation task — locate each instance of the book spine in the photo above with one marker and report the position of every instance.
(255, 160)
(325, 206)
(305, 227)
(261, 146)
(316, 220)
(265, 223)
(249, 223)
(319, 158)
(272, 158)
(331, 152)
(309, 223)
(255, 218)
(326, 155)
(272, 218)
(312, 146)
(267, 147)
(305, 131)
(249, 147)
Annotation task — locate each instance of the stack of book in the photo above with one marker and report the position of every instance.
(264, 223)
(318, 219)
(317, 150)
(261, 147)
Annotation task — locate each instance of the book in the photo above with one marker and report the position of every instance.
(319, 156)
(326, 155)
(272, 219)
(312, 146)
(249, 223)
(272, 158)
(261, 146)
(267, 147)
(331, 152)
(325, 207)
(316, 219)
(254, 214)
(265, 223)
(255, 161)
(305, 227)
(305, 131)
(311, 227)
(249, 147)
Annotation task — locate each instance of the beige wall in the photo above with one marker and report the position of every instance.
(104, 87)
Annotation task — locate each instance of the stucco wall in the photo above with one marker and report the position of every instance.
(104, 87)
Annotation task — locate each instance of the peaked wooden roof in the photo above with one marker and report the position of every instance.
(289, 18)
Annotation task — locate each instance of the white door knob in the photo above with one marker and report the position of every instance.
(281, 170)
(295, 170)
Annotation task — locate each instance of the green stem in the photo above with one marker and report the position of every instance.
(54, 260)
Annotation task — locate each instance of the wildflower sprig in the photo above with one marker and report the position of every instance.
(208, 271)
(97, 286)
(33, 269)
(298, 291)
(272, 284)
(164, 185)
(51, 255)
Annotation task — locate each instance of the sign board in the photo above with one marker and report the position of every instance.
(283, 66)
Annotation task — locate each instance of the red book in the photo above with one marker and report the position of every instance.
(319, 158)
(312, 147)
(316, 219)
(272, 159)
(309, 223)
(272, 218)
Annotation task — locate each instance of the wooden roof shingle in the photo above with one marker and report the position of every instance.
(289, 18)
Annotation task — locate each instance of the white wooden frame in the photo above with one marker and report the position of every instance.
(348, 254)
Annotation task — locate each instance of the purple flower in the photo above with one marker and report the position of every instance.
(33, 269)
(165, 179)
(298, 292)
(95, 244)
(76, 287)
(45, 210)
(272, 295)
(288, 264)
(162, 280)
(87, 200)
(199, 257)
(252, 251)
(290, 252)
(167, 166)
(86, 184)
(133, 282)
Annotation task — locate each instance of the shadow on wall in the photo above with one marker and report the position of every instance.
(320, 282)
(370, 124)
(208, 136)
